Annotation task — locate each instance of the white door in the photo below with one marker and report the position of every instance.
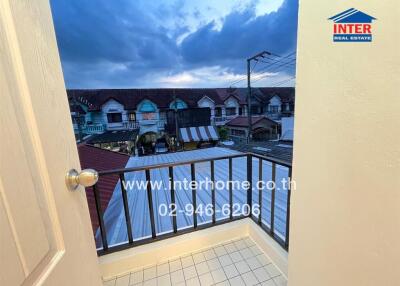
(45, 232)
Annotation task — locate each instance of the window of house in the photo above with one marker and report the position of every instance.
(132, 116)
(147, 106)
(178, 104)
(286, 107)
(218, 112)
(231, 111)
(163, 115)
(274, 108)
(255, 109)
(114, 117)
(149, 116)
(238, 132)
(240, 110)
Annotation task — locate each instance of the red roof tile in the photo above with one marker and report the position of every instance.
(100, 160)
(130, 98)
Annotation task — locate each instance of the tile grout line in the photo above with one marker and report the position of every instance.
(245, 245)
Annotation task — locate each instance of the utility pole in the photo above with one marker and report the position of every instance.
(253, 58)
(176, 120)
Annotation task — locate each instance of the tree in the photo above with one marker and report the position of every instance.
(223, 133)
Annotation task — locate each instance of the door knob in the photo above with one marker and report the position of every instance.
(86, 178)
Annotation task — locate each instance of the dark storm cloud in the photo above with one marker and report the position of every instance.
(92, 31)
(106, 43)
(243, 35)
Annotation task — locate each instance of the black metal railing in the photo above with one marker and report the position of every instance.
(269, 227)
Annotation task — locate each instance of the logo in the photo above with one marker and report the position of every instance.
(352, 26)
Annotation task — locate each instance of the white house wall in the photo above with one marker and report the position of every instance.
(207, 102)
(232, 102)
(147, 125)
(113, 106)
(275, 101)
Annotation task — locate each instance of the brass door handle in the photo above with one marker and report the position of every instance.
(86, 178)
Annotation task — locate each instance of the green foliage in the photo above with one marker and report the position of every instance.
(223, 133)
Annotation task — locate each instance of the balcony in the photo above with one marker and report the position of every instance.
(131, 125)
(146, 238)
(161, 124)
(273, 115)
(221, 120)
(94, 129)
(89, 128)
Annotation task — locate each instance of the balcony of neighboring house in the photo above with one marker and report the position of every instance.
(86, 128)
(161, 124)
(273, 115)
(276, 112)
(193, 235)
(224, 115)
(131, 125)
(219, 120)
(287, 110)
(231, 112)
(93, 128)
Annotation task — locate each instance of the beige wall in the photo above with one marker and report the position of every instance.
(345, 226)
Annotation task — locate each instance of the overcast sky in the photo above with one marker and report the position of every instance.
(193, 43)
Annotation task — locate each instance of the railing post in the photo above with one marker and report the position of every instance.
(273, 199)
(126, 208)
(230, 189)
(284, 242)
(193, 175)
(173, 203)
(250, 181)
(150, 201)
(212, 190)
(260, 171)
(100, 217)
(289, 191)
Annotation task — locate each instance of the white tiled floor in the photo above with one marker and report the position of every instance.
(238, 262)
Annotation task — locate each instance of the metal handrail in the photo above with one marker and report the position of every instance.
(188, 162)
(175, 231)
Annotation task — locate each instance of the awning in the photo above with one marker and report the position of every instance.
(114, 136)
(195, 134)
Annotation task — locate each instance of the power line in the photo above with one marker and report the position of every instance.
(244, 77)
(290, 61)
(271, 61)
(283, 82)
(280, 82)
(275, 69)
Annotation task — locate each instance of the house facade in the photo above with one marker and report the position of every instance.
(145, 110)
(262, 128)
